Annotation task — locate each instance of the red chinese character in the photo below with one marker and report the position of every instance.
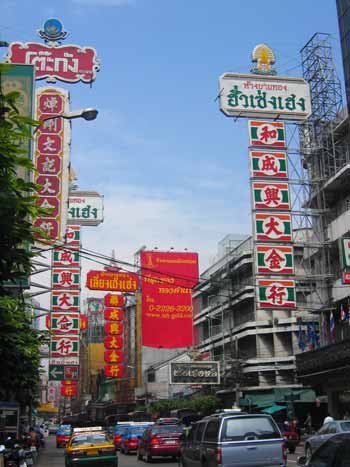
(66, 256)
(66, 278)
(277, 294)
(64, 323)
(268, 163)
(274, 259)
(64, 300)
(272, 196)
(272, 227)
(64, 346)
(266, 134)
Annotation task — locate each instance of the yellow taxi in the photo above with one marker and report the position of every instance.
(90, 446)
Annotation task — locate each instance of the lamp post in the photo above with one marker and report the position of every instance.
(86, 114)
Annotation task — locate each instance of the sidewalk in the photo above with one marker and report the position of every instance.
(50, 456)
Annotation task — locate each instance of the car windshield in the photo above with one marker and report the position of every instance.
(167, 429)
(89, 439)
(65, 429)
(240, 429)
(345, 426)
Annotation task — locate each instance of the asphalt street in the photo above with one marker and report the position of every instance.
(50, 456)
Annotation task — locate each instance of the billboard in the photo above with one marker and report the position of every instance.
(51, 159)
(167, 312)
(85, 208)
(68, 63)
(275, 97)
(195, 373)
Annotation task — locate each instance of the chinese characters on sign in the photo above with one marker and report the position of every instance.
(51, 158)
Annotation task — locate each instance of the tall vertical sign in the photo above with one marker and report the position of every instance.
(113, 340)
(51, 159)
(263, 95)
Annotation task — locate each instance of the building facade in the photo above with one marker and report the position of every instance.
(256, 348)
(327, 156)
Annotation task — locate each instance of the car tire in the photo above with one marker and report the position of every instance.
(308, 451)
(149, 458)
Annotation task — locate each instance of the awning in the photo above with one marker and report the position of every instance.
(273, 409)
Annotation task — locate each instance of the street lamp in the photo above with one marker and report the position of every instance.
(86, 114)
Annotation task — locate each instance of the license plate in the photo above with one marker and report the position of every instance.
(92, 452)
(170, 441)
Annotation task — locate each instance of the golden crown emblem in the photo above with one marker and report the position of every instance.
(264, 58)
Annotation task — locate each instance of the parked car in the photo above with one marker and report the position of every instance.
(160, 440)
(234, 440)
(53, 428)
(167, 421)
(324, 433)
(130, 439)
(90, 446)
(63, 435)
(334, 452)
(119, 430)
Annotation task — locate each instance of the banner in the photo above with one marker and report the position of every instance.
(167, 280)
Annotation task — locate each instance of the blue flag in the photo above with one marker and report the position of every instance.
(301, 342)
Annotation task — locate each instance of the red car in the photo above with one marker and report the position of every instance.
(160, 440)
(63, 435)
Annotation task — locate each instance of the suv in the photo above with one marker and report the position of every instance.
(252, 440)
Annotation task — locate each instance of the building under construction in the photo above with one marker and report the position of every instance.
(325, 149)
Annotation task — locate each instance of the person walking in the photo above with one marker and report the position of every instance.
(308, 424)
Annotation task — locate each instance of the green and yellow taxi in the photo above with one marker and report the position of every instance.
(90, 447)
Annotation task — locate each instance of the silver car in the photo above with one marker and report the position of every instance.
(252, 440)
(324, 433)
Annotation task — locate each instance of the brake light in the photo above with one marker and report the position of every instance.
(117, 438)
(78, 453)
(284, 451)
(218, 453)
(154, 440)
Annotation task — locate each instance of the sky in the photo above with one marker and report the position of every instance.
(172, 168)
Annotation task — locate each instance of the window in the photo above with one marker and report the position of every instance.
(332, 428)
(151, 377)
(240, 429)
(199, 432)
(345, 426)
(212, 431)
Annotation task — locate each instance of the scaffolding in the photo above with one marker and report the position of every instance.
(322, 154)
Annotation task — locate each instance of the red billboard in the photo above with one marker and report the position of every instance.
(167, 282)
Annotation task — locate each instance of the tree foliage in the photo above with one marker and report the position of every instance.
(204, 404)
(19, 343)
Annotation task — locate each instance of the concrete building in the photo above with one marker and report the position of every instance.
(256, 348)
(327, 155)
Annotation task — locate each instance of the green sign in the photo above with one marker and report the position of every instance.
(56, 372)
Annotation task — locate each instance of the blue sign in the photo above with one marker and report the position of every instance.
(52, 30)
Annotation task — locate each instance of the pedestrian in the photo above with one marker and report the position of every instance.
(328, 419)
(308, 424)
(346, 415)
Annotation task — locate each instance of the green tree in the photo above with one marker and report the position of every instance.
(19, 343)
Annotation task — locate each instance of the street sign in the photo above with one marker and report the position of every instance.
(63, 372)
(56, 372)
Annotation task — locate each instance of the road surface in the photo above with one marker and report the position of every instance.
(50, 456)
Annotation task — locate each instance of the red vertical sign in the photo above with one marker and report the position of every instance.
(167, 282)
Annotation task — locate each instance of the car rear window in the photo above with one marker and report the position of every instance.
(167, 429)
(83, 439)
(345, 426)
(249, 428)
